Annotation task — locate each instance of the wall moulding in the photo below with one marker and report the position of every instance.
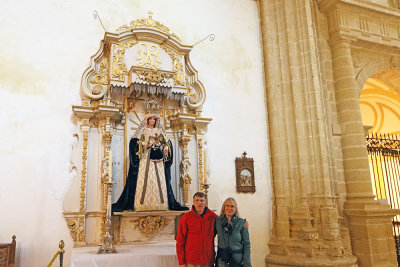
(364, 22)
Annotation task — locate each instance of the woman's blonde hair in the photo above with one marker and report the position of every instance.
(224, 204)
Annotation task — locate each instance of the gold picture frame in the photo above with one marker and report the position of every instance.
(245, 174)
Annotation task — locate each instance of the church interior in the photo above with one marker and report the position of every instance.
(291, 107)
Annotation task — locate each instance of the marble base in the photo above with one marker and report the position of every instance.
(145, 226)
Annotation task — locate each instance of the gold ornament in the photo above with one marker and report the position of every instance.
(97, 89)
(119, 68)
(148, 61)
(152, 106)
(147, 23)
(152, 77)
(73, 227)
(151, 224)
(177, 66)
(101, 76)
(83, 173)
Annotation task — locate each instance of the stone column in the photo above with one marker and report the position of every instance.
(358, 180)
(369, 221)
(305, 212)
(277, 132)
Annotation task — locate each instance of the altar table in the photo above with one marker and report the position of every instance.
(143, 255)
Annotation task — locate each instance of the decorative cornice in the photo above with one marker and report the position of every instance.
(326, 5)
(147, 23)
(152, 76)
(362, 22)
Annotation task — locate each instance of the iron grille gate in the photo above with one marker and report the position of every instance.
(384, 162)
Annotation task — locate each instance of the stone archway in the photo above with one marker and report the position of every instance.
(314, 161)
(372, 63)
(380, 102)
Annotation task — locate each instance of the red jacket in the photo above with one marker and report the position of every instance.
(195, 238)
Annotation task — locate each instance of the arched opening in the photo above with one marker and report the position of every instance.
(380, 103)
(380, 110)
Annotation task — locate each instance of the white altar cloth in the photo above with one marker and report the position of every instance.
(143, 255)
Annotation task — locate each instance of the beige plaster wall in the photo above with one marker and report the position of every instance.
(46, 46)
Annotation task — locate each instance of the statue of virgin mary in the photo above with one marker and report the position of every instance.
(148, 184)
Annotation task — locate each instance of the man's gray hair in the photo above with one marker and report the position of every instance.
(200, 194)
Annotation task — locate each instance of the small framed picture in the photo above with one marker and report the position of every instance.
(245, 174)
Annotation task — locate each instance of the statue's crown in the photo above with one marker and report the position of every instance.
(152, 106)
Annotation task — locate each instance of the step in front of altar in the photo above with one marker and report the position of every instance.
(131, 227)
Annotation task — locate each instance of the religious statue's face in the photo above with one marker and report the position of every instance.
(152, 121)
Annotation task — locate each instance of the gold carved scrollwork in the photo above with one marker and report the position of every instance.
(101, 76)
(178, 76)
(151, 224)
(118, 67)
(201, 166)
(83, 172)
(98, 89)
(107, 138)
(107, 164)
(177, 66)
(94, 123)
(146, 23)
(73, 226)
(152, 77)
(185, 179)
(81, 231)
(151, 56)
(193, 98)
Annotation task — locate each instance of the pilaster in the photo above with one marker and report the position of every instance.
(307, 230)
(185, 179)
(369, 221)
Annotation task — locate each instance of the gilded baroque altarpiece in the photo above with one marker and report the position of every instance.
(140, 61)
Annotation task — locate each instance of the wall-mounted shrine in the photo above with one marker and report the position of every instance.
(141, 61)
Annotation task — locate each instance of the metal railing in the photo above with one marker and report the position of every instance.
(60, 252)
(384, 162)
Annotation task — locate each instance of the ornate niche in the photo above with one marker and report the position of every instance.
(141, 60)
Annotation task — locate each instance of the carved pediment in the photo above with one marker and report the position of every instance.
(143, 57)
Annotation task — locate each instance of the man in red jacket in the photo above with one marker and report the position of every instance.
(195, 238)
